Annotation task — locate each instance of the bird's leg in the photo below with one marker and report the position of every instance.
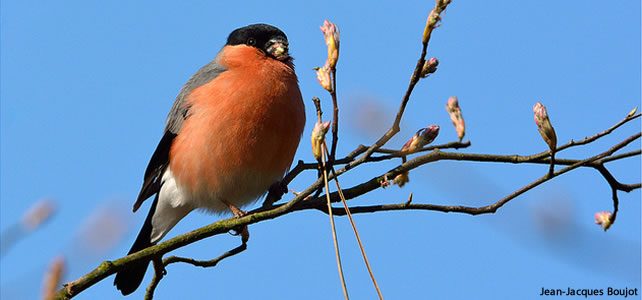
(238, 213)
(235, 210)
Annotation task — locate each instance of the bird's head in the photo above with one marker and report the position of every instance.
(267, 38)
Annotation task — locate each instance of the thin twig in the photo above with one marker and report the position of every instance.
(551, 168)
(596, 136)
(334, 231)
(335, 118)
(616, 205)
(431, 24)
(356, 233)
(322, 166)
(451, 145)
(588, 139)
(622, 155)
(159, 268)
(501, 158)
(159, 274)
(205, 263)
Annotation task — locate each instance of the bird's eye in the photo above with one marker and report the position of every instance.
(251, 41)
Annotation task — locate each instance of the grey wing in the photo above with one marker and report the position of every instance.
(177, 114)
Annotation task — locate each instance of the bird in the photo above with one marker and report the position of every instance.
(230, 135)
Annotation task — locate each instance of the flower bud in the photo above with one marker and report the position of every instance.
(331, 36)
(544, 125)
(384, 182)
(632, 112)
(53, 278)
(603, 219)
(318, 137)
(454, 111)
(423, 137)
(323, 75)
(430, 66)
(401, 179)
(38, 214)
(431, 22)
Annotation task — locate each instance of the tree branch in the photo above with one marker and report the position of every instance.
(492, 208)
(160, 272)
(108, 268)
(375, 182)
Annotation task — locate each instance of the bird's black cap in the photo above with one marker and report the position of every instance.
(256, 35)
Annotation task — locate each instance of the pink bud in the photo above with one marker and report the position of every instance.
(40, 212)
(544, 125)
(423, 137)
(53, 278)
(430, 66)
(323, 75)
(454, 111)
(318, 137)
(603, 219)
(384, 183)
(331, 36)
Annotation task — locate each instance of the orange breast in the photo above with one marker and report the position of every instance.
(243, 129)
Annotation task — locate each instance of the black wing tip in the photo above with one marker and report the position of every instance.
(123, 287)
(137, 205)
(150, 187)
(129, 279)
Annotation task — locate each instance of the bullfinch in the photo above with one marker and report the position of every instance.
(230, 135)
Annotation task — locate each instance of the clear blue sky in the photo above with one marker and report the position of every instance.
(85, 88)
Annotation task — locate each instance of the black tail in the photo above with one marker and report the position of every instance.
(129, 279)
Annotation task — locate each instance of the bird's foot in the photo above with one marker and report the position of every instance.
(238, 213)
(241, 230)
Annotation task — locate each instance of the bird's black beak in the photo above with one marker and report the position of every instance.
(278, 48)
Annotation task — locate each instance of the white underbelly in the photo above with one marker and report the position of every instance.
(240, 189)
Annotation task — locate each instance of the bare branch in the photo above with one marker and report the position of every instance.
(492, 208)
(432, 23)
(160, 271)
(335, 118)
(356, 232)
